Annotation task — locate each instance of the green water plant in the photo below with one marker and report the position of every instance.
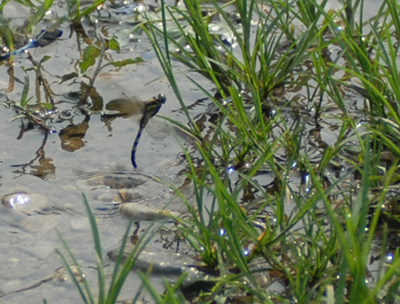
(77, 10)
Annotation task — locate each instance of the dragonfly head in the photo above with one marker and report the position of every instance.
(162, 98)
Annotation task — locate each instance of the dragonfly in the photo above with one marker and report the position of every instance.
(43, 39)
(151, 108)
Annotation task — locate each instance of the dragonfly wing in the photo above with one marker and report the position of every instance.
(48, 36)
(125, 107)
(157, 129)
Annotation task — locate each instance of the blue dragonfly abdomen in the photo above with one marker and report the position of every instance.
(151, 108)
(43, 39)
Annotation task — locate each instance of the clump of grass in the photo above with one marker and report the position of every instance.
(317, 250)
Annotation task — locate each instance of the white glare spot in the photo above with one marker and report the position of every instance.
(389, 258)
(307, 182)
(231, 170)
(246, 252)
(140, 8)
(18, 200)
(221, 231)
(213, 27)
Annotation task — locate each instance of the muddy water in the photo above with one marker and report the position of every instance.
(48, 170)
(28, 241)
(45, 169)
(50, 176)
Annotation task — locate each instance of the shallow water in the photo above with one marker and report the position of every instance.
(48, 168)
